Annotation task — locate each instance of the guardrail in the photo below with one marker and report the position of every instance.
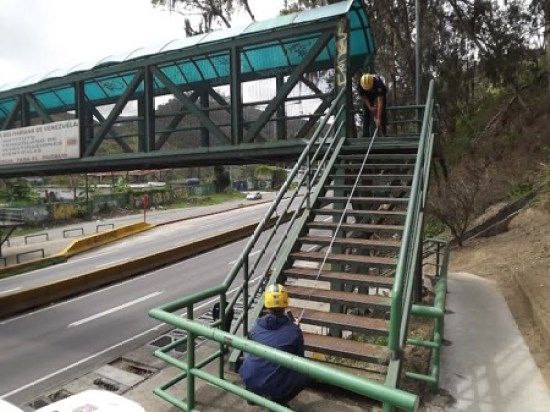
(81, 229)
(27, 237)
(436, 312)
(11, 215)
(111, 225)
(18, 256)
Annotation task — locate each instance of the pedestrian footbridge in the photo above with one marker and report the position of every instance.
(352, 255)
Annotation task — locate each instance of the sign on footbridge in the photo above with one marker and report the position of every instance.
(183, 104)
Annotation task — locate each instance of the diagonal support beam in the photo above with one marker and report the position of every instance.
(189, 105)
(37, 106)
(112, 133)
(174, 123)
(287, 87)
(312, 86)
(119, 106)
(222, 102)
(325, 104)
(13, 114)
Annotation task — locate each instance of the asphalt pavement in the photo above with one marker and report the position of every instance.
(155, 240)
(46, 347)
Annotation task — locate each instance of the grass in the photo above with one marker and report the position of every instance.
(213, 199)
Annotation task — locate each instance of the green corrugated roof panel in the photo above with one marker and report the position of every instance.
(270, 56)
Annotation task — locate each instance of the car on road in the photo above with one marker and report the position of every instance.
(254, 196)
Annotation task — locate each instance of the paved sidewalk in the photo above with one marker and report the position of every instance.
(487, 366)
(57, 242)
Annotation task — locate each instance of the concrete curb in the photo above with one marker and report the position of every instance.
(78, 246)
(27, 299)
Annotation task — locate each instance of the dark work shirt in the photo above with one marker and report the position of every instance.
(379, 89)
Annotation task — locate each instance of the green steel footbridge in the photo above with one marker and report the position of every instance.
(345, 233)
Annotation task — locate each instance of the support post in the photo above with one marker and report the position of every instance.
(148, 114)
(236, 97)
(190, 363)
(281, 112)
(205, 104)
(342, 80)
(25, 114)
(81, 114)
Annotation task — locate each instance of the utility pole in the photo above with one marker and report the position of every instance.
(417, 53)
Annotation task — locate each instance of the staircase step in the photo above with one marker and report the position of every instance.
(379, 156)
(344, 321)
(381, 188)
(332, 296)
(346, 348)
(377, 176)
(352, 241)
(356, 226)
(371, 261)
(358, 199)
(366, 213)
(355, 279)
(370, 166)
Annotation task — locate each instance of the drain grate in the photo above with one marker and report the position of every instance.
(106, 384)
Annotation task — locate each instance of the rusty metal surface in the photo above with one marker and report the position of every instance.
(347, 258)
(345, 321)
(332, 296)
(350, 278)
(346, 348)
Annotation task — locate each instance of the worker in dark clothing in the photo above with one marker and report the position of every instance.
(275, 329)
(372, 91)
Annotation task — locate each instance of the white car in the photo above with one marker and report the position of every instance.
(254, 196)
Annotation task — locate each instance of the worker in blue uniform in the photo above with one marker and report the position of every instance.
(372, 91)
(278, 330)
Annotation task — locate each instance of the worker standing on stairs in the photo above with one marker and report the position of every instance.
(372, 91)
(275, 329)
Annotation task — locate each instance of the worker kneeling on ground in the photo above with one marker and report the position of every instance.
(275, 329)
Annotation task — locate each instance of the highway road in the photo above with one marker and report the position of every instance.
(155, 240)
(43, 348)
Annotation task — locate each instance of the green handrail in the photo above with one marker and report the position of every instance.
(400, 301)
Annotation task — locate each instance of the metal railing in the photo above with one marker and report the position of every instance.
(412, 233)
(8, 214)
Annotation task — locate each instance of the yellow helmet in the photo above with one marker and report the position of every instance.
(275, 296)
(367, 81)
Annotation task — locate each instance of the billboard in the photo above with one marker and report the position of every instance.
(40, 143)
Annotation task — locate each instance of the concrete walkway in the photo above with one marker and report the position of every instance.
(487, 366)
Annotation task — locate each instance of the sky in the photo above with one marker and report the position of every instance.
(38, 36)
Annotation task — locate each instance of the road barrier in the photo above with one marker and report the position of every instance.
(11, 304)
(37, 235)
(28, 252)
(73, 230)
(111, 225)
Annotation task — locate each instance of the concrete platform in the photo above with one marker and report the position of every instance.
(487, 366)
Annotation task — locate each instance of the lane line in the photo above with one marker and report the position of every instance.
(3, 292)
(106, 350)
(250, 254)
(115, 309)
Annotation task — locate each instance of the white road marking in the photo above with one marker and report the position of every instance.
(250, 254)
(115, 309)
(97, 354)
(3, 292)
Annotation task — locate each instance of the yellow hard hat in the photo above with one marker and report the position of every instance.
(276, 296)
(367, 81)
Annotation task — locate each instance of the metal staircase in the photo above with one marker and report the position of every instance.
(346, 240)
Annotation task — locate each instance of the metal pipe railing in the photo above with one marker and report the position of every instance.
(410, 238)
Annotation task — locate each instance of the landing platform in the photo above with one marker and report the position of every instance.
(487, 366)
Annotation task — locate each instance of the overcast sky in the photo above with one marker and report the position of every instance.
(37, 36)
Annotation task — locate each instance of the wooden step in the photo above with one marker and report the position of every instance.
(381, 188)
(379, 156)
(370, 261)
(355, 279)
(344, 321)
(376, 176)
(356, 226)
(370, 166)
(346, 348)
(358, 199)
(393, 245)
(332, 296)
(364, 213)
